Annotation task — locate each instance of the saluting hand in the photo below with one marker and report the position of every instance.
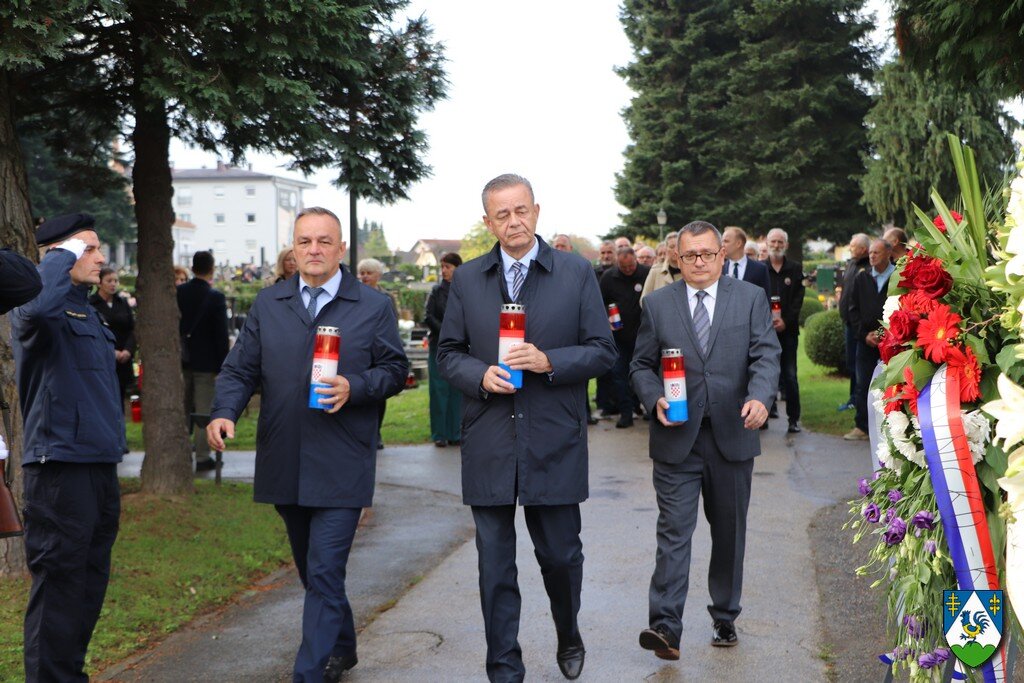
(495, 381)
(217, 430)
(754, 414)
(336, 395)
(527, 357)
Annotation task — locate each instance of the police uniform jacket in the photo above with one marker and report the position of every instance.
(19, 280)
(531, 444)
(304, 456)
(67, 382)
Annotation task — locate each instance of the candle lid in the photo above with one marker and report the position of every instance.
(671, 353)
(326, 329)
(513, 308)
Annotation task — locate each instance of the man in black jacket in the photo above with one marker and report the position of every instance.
(19, 280)
(870, 289)
(621, 285)
(204, 344)
(859, 245)
(785, 279)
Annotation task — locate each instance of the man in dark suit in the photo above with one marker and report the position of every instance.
(723, 327)
(786, 281)
(737, 264)
(859, 245)
(203, 327)
(315, 466)
(867, 300)
(621, 285)
(529, 444)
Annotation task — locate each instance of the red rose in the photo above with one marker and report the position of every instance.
(941, 224)
(927, 275)
(889, 347)
(903, 325)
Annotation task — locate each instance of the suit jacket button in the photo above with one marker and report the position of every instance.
(701, 404)
(520, 416)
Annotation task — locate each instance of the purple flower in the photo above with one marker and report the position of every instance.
(941, 654)
(889, 514)
(877, 475)
(872, 513)
(895, 495)
(927, 660)
(896, 531)
(924, 520)
(931, 549)
(915, 626)
(863, 487)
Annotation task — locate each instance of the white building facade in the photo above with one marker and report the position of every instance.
(244, 217)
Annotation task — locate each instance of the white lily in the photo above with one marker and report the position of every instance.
(1008, 412)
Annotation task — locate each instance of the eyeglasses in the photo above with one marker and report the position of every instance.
(705, 256)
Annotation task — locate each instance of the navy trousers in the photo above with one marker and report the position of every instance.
(555, 532)
(851, 361)
(321, 539)
(72, 512)
(867, 359)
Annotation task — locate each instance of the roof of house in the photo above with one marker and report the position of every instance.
(440, 246)
(228, 172)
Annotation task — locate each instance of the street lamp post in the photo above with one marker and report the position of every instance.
(662, 220)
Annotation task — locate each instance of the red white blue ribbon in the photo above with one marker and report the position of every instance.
(958, 496)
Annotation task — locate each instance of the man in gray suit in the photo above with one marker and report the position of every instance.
(723, 328)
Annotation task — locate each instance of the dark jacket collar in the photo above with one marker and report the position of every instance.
(348, 289)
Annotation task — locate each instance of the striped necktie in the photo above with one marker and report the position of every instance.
(701, 321)
(518, 276)
(314, 292)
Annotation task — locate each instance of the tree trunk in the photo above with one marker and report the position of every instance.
(353, 220)
(16, 233)
(167, 467)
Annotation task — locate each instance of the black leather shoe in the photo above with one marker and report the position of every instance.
(794, 428)
(336, 666)
(661, 642)
(453, 443)
(440, 443)
(624, 422)
(723, 634)
(774, 412)
(206, 465)
(591, 420)
(570, 661)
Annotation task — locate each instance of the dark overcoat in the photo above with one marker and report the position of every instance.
(303, 455)
(531, 444)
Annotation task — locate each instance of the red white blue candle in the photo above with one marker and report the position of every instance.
(511, 333)
(614, 319)
(325, 363)
(673, 373)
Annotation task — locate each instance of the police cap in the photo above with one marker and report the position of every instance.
(59, 228)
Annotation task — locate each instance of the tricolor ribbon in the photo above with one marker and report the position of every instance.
(958, 496)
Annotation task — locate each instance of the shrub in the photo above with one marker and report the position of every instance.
(825, 340)
(810, 307)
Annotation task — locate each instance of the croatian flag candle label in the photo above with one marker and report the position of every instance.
(325, 363)
(673, 372)
(511, 333)
(614, 318)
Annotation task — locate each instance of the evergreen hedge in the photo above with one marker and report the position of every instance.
(825, 340)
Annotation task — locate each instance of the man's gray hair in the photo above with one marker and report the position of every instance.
(608, 243)
(505, 180)
(696, 229)
(318, 211)
(881, 240)
(370, 264)
(861, 240)
(625, 251)
(785, 235)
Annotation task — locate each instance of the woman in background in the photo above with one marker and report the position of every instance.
(180, 275)
(286, 265)
(116, 312)
(445, 400)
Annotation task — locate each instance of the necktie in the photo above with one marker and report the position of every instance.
(736, 270)
(701, 321)
(517, 280)
(314, 292)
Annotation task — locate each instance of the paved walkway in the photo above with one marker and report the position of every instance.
(413, 582)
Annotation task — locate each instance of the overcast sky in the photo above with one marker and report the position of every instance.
(533, 91)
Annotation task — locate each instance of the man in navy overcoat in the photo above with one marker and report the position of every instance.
(527, 444)
(315, 466)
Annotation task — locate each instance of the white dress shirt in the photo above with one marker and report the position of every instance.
(330, 291)
(743, 267)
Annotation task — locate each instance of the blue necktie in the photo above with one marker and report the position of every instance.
(736, 270)
(517, 280)
(701, 321)
(314, 292)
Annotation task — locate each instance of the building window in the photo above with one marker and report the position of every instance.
(184, 196)
(287, 199)
(250, 190)
(218, 192)
(218, 218)
(185, 217)
(250, 246)
(250, 218)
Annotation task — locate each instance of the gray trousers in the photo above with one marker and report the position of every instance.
(725, 486)
(198, 399)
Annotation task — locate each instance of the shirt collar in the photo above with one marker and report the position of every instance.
(888, 269)
(330, 287)
(711, 289)
(507, 261)
(742, 262)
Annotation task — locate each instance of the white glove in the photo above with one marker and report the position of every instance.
(74, 245)
(3, 449)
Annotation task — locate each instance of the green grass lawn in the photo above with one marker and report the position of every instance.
(407, 421)
(174, 558)
(820, 392)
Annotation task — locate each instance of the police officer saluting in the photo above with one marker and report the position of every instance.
(74, 438)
